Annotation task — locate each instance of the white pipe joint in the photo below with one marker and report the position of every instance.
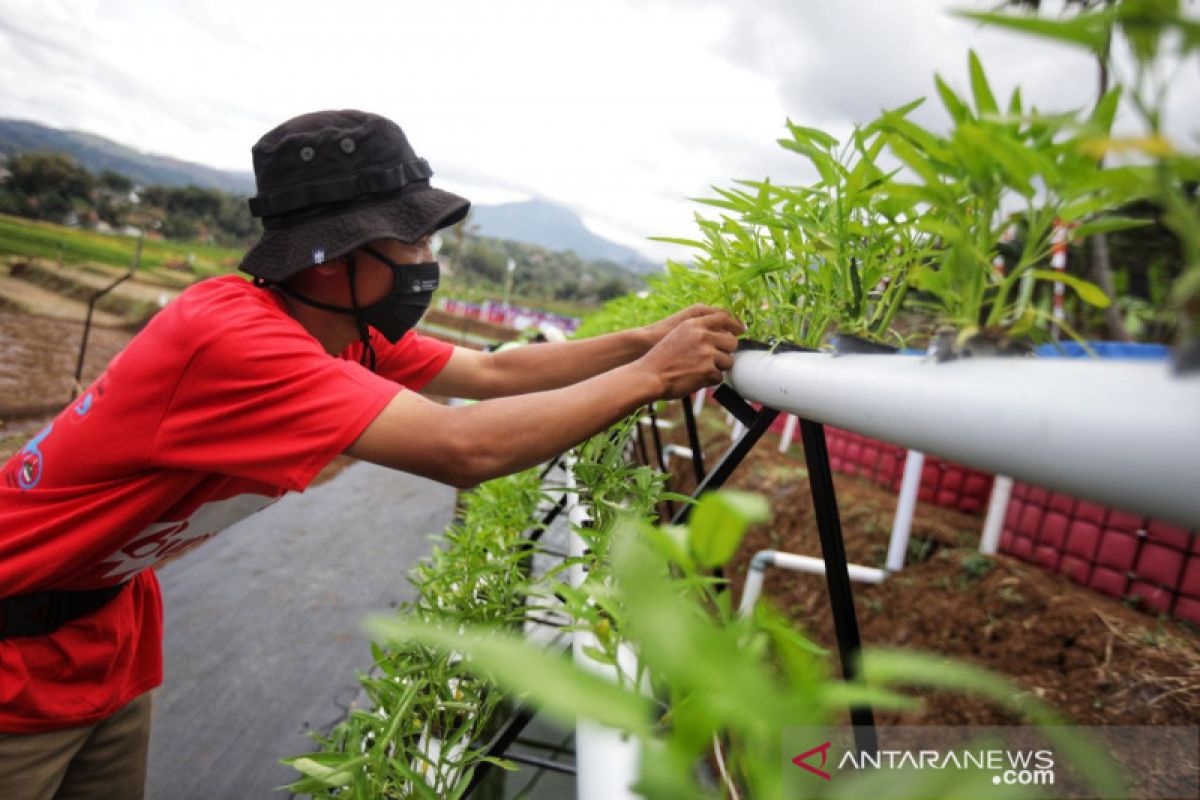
(794, 563)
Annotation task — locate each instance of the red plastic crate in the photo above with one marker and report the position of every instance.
(978, 484)
(1007, 537)
(1169, 535)
(1091, 512)
(1190, 585)
(1188, 608)
(952, 478)
(1083, 539)
(1031, 520)
(1046, 556)
(1061, 502)
(1125, 521)
(1160, 565)
(1054, 529)
(1117, 549)
(1022, 547)
(889, 467)
(1109, 581)
(1153, 597)
(1077, 569)
(970, 504)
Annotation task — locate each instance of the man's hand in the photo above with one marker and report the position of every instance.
(695, 352)
(465, 445)
(656, 332)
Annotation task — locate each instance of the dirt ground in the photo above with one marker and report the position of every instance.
(1097, 661)
(37, 370)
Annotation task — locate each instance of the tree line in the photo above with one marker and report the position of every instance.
(54, 188)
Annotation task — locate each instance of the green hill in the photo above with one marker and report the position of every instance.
(96, 154)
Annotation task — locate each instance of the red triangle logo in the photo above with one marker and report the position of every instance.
(800, 760)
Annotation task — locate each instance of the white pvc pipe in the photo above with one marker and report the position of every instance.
(1122, 433)
(676, 450)
(993, 525)
(794, 563)
(789, 432)
(607, 760)
(698, 403)
(906, 506)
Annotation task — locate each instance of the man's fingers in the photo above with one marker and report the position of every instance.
(724, 361)
(726, 342)
(721, 320)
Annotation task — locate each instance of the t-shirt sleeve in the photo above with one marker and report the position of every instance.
(412, 362)
(260, 399)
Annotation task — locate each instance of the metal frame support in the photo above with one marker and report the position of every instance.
(693, 434)
(837, 571)
(756, 422)
(658, 449)
(829, 527)
(499, 744)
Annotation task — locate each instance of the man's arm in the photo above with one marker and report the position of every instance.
(550, 365)
(465, 445)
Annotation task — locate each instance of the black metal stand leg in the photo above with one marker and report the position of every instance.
(756, 422)
(549, 468)
(837, 572)
(693, 433)
(500, 743)
(535, 533)
(662, 458)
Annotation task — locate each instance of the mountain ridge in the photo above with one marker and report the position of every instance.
(543, 222)
(538, 222)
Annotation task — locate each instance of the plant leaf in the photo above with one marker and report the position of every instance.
(1109, 225)
(954, 105)
(1086, 30)
(985, 101)
(551, 682)
(719, 522)
(1088, 292)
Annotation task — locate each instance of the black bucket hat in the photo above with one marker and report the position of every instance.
(331, 181)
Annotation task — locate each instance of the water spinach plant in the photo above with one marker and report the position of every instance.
(725, 687)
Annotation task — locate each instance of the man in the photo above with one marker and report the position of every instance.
(239, 392)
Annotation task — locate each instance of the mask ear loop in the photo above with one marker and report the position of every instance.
(368, 355)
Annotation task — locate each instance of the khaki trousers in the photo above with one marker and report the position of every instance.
(105, 761)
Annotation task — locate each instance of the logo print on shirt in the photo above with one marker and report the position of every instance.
(29, 473)
(171, 538)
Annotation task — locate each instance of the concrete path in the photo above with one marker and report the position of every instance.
(262, 629)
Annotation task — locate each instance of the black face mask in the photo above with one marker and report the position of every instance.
(412, 292)
(393, 316)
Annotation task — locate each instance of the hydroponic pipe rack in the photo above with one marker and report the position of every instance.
(1122, 433)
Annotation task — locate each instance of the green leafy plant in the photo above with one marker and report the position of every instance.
(723, 685)
(1161, 40)
(967, 182)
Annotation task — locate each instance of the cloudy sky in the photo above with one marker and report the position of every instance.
(620, 109)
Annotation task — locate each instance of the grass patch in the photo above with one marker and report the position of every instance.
(35, 239)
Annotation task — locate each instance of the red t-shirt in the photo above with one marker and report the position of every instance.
(217, 408)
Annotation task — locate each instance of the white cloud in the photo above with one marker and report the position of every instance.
(619, 109)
